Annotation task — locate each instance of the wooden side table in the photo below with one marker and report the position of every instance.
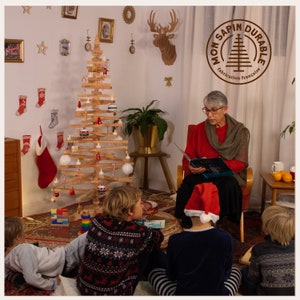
(161, 156)
(277, 187)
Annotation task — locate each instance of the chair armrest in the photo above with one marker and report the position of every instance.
(249, 180)
(180, 175)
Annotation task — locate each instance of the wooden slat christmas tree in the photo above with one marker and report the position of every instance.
(96, 157)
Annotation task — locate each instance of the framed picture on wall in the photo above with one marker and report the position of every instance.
(106, 30)
(14, 50)
(69, 12)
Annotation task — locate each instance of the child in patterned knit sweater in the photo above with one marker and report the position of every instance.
(118, 250)
(272, 262)
(40, 266)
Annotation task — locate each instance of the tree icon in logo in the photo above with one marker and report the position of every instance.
(238, 51)
(238, 57)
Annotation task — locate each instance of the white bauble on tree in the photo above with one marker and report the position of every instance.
(65, 160)
(127, 168)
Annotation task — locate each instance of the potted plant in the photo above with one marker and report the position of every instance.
(289, 128)
(148, 124)
(292, 126)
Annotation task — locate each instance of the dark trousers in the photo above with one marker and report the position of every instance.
(148, 261)
(247, 286)
(230, 195)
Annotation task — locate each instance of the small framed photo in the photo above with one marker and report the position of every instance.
(106, 30)
(69, 12)
(14, 50)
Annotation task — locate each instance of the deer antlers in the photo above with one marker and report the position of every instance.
(158, 28)
(162, 36)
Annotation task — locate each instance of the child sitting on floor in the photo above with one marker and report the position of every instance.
(118, 250)
(40, 266)
(199, 258)
(272, 262)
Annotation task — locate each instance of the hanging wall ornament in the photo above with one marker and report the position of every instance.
(88, 45)
(132, 47)
(162, 36)
(54, 118)
(22, 105)
(41, 97)
(168, 81)
(128, 14)
(64, 47)
(26, 143)
(26, 9)
(60, 140)
(42, 48)
(45, 163)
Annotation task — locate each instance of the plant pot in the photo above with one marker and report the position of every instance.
(148, 143)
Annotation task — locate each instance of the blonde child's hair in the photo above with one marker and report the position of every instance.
(279, 223)
(14, 227)
(119, 200)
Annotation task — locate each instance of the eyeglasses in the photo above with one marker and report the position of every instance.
(213, 110)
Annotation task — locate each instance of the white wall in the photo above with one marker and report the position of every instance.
(136, 79)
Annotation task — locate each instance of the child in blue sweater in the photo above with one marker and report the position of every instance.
(199, 258)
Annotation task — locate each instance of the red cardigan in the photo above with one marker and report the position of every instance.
(199, 146)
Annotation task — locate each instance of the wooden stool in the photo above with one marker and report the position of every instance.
(277, 187)
(161, 156)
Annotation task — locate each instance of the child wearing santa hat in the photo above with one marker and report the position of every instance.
(199, 258)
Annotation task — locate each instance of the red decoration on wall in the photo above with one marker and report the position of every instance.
(26, 143)
(41, 97)
(22, 105)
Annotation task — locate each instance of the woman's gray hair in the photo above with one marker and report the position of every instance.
(215, 99)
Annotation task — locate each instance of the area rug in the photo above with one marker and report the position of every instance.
(39, 230)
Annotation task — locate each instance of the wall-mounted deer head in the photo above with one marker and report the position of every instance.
(162, 36)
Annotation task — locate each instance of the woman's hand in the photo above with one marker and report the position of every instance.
(194, 170)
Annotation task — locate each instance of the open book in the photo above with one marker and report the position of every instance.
(215, 167)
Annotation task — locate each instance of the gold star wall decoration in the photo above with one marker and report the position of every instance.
(42, 48)
(168, 81)
(26, 9)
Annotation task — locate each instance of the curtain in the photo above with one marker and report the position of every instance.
(266, 105)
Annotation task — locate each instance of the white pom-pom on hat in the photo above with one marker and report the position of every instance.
(204, 202)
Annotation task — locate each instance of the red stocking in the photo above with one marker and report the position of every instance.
(22, 105)
(41, 97)
(60, 140)
(45, 163)
(26, 143)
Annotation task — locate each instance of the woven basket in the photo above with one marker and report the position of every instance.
(172, 225)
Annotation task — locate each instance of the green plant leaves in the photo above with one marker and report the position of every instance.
(144, 117)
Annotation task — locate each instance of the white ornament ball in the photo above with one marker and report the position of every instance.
(127, 168)
(65, 160)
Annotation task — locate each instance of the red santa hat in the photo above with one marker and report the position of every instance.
(204, 202)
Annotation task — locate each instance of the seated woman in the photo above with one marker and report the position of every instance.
(219, 135)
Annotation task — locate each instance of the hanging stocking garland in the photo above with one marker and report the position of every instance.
(41, 97)
(26, 143)
(60, 140)
(54, 118)
(45, 163)
(22, 105)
